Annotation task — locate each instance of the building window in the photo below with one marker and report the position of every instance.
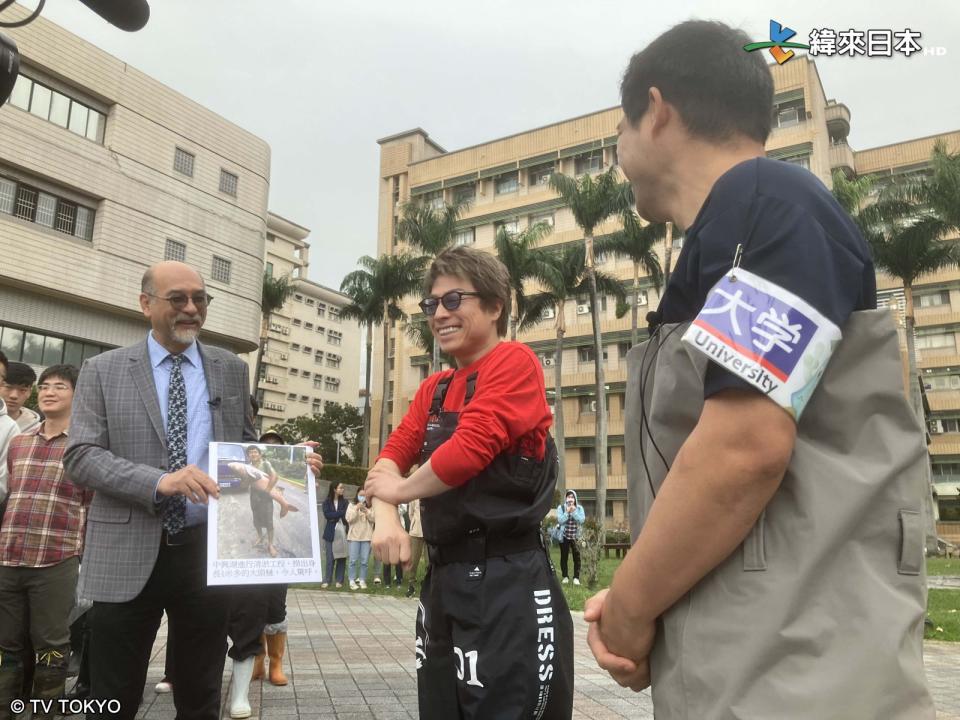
(175, 251)
(297, 322)
(396, 189)
(307, 350)
(220, 270)
(942, 382)
(308, 326)
(333, 361)
(334, 338)
(433, 200)
(789, 113)
(318, 357)
(540, 174)
(511, 226)
(305, 374)
(57, 108)
(316, 407)
(183, 162)
(292, 371)
(542, 218)
(335, 314)
(291, 396)
(331, 384)
(937, 340)
(310, 302)
(269, 269)
(935, 299)
(298, 298)
(295, 347)
(321, 330)
(45, 350)
(802, 160)
(318, 382)
(464, 194)
(467, 236)
(506, 183)
(588, 455)
(228, 182)
(45, 209)
(321, 309)
(589, 162)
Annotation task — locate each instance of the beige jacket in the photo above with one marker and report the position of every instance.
(820, 614)
(360, 519)
(413, 511)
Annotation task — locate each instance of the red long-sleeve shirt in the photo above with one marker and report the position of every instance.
(508, 411)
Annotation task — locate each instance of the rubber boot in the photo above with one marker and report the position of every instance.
(11, 679)
(49, 679)
(258, 670)
(240, 688)
(275, 647)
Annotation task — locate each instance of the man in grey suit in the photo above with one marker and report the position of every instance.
(142, 420)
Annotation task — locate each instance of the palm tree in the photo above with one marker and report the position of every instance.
(905, 235)
(366, 310)
(943, 185)
(517, 251)
(592, 201)
(273, 294)
(562, 276)
(429, 230)
(667, 252)
(419, 333)
(387, 279)
(636, 242)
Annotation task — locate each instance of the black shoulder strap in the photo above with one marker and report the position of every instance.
(440, 394)
(471, 387)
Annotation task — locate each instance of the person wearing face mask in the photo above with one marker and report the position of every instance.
(360, 520)
(494, 635)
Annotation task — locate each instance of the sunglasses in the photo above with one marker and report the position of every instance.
(450, 300)
(179, 302)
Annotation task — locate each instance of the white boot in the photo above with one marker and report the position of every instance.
(240, 687)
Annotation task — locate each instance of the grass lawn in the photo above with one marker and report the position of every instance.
(943, 566)
(943, 606)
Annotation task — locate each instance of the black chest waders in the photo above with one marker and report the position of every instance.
(494, 633)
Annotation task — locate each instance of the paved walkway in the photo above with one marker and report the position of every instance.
(351, 657)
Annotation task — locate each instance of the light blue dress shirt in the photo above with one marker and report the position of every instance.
(199, 420)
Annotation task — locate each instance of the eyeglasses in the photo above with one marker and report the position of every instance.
(179, 301)
(56, 387)
(451, 301)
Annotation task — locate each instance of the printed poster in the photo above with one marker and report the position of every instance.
(264, 528)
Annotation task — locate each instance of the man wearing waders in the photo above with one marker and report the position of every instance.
(494, 634)
(776, 473)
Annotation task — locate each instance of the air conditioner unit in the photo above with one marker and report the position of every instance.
(583, 309)
(548, 362)
(285, 331)
(549, 313)
(642, 298)
(936, 427)
(592, 407)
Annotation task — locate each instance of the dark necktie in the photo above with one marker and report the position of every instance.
(174, 511)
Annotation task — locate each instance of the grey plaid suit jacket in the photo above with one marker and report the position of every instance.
(117, 447)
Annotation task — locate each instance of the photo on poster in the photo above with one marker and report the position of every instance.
(265, 526)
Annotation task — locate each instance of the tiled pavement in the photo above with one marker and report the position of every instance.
(351, 657)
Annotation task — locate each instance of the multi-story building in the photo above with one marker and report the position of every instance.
(505, 182)
(311, 356)
(103, 172)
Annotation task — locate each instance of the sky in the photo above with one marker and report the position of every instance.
(321, 81)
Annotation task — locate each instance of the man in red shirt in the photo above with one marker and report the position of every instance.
(41, 540)
(494, 635)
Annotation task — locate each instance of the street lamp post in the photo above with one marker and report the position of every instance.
(339, 437)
